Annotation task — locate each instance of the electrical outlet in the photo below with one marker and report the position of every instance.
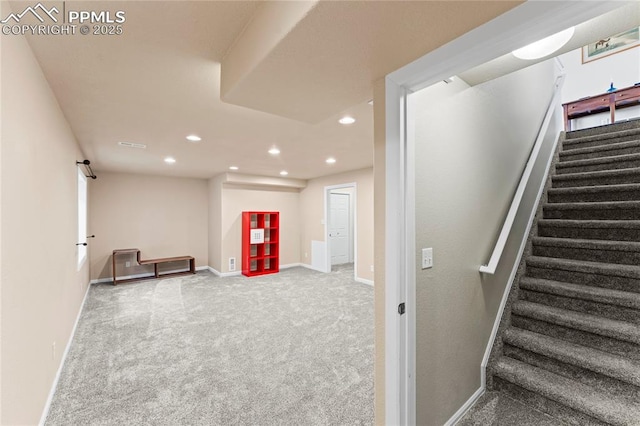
(232, 264)
(53, 350)
(371, 268)
(306, 255)
(127, 264)
(427, 258)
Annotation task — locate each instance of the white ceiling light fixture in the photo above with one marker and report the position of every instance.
(284, 173)
(194, 138)
(169, 160)
(546, 46)
(274, 151)
(347, 120)
(330, 160)
(233, 167)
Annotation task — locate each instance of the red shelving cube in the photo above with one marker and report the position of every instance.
(260, 243)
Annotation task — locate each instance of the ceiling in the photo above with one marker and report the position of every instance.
(618, 20)
(286, 70)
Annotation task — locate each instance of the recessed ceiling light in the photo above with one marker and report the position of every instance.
(169, 160)
(194, 138)
(347, 120)
(284, 173)
(330, 160)
(546, 46)
(132, 145)
(233, 168)
(274, 151)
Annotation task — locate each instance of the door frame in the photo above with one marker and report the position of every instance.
(526, 23)
(354, 215)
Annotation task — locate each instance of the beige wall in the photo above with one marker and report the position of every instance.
(215, 222)
(471, 147)
(312, 212)
(42, 289)
(236, 199)
(161, 216)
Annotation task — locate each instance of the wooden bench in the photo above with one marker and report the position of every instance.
(154, 262)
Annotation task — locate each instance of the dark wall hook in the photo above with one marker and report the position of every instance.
(87, 166)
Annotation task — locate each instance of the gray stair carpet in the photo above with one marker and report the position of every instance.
(569, 341)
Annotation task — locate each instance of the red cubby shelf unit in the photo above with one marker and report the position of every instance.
(260, 243)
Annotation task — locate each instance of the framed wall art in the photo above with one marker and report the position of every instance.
(611, 45)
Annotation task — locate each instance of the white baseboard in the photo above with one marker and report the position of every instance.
(54, 385)
(236, 273)
(145, 275)
(364, 281)
(223, 274)
(465, 407)
(313, 268)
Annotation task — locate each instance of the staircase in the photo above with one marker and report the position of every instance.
(571, 347)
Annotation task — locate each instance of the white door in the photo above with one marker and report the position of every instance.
(339, 228)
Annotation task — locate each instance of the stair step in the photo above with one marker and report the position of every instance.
(617, 230)
(604, 129)
(584, 338)
(608, 150)
(604, 210)
(614, 162)
(604, 363)
(597, 178)
(605, 275)
(603, 310)
(601, 139)
(613, 386)
(623, 299)
(624, 192)
(622, 252)
(593, 324)
(568, 392)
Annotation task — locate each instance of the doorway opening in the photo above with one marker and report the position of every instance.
(340, 222)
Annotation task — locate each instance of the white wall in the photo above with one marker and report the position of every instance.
(215, 223)
(160, 215)
(471, 146)
(236, 199)
(42, 289)
(594, 78)
(312, 214)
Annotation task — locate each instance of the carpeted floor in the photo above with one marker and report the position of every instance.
(294, 348)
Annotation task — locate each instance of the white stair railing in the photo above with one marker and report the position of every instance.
(490, 267)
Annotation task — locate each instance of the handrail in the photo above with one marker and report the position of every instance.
(490, 268)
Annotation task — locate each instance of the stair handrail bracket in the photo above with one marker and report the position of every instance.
(491, 266)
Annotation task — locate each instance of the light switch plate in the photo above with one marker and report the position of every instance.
(427, 258)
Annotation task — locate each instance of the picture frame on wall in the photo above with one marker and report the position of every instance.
(611, 45)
